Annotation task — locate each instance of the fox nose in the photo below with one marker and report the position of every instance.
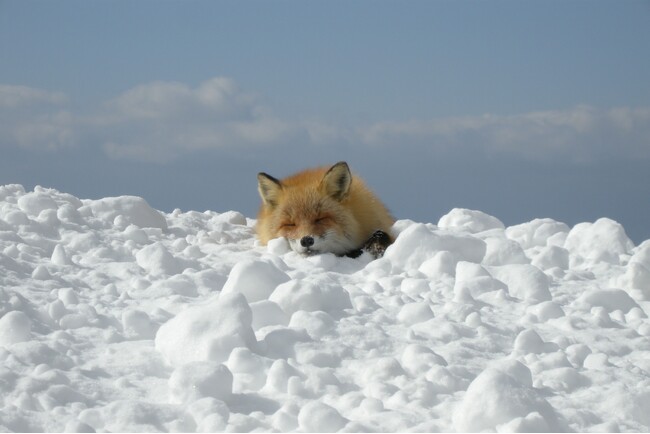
(307, 241)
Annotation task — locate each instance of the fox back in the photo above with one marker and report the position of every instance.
(320, 210)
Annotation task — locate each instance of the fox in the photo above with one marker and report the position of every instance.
(323, 210)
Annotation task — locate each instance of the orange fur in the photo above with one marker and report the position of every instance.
(329, 204)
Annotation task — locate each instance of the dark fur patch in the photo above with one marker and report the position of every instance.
(354, 253)
(376, 246)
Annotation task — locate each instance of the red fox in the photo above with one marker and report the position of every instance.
(323, 210)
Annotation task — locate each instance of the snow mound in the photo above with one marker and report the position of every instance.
(15, 327)
(503, 399)
(551, 257)
(602, 241)
(207, 332)
(130, 210)
(610, 299)
(469, 220)
(642, 254)
(319, 417)
(538, 233)
(298, 295)
(255, 279)
(195, 380)
(156, 259)
(117, 317)
(418, 243)
(35, 202)
(502, 251)
(526, 282)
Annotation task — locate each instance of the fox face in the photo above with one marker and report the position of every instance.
(323, 210)
(310, 211)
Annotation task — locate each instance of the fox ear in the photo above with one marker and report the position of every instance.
(269, 189)
(337, 180)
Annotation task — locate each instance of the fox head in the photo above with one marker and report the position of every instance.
(309, 209)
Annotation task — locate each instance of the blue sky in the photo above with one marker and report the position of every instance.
(519, 109)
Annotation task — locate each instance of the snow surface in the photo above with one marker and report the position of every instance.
(117, 317)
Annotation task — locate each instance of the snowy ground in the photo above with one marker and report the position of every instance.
(116, 317)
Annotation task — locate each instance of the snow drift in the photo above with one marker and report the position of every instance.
(117, 317)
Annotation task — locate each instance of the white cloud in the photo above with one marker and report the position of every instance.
(160, 121)
(12, 97)
(219, 97)
(582, 133)
(34, 118)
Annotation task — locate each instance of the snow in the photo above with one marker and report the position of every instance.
(195, 380)
(15, 327)
(503, 398)
(117, 317)
(255, 279)
(208, 331)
